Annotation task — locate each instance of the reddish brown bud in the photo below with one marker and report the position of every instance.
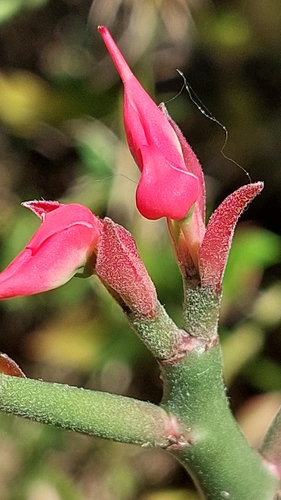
(120, 267)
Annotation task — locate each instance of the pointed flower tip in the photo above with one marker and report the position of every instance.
(103, 31)
(40, 208)
(169, 182)
(118, 59)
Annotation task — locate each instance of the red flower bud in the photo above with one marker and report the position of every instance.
(213, 253)
(168, 186)
(63, 244)
(121, 269)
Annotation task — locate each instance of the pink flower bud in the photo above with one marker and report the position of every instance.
(168, 187)
(61, 246)
(121, 269)
(202, 254)
(213, 253)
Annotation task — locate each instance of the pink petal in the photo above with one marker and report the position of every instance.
(192, 165)
(40, 208)
(164, 191)
(62, 244)
(155, 146)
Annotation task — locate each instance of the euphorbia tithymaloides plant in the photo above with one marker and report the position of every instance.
(193, 420)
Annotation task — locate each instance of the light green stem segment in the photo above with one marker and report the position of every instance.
(100, 414)
(201, 312)
(159, 334)
(217, 456)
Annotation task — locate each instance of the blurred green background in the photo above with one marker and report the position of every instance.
(61, 138)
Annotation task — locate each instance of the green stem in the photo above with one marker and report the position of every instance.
(217, 456)
(159, 334)
(201, 312)
(100, 414)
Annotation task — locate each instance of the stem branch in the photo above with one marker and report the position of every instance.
(97, 413)
(218, 457)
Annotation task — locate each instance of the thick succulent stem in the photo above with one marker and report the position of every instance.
(212, 447)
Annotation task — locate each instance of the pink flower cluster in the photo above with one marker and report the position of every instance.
(171, 185)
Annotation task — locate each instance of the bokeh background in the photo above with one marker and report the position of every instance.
(61, 138)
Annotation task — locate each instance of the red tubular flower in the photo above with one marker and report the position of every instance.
(63, 244)
(168, 186)
(172, 182)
